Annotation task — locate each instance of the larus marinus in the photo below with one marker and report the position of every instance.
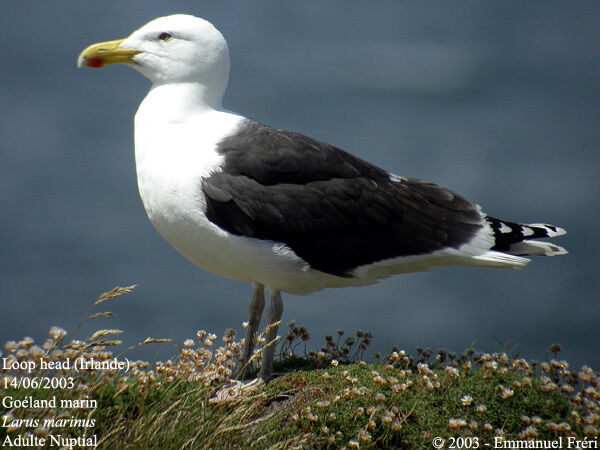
(278, 209)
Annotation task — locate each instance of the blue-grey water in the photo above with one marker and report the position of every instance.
(499, 101)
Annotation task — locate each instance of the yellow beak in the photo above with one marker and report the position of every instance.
(103, 53)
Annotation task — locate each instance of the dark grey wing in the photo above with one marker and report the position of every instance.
(342, 214)
(272, 156)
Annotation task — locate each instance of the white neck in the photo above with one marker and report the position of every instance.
(175, 102)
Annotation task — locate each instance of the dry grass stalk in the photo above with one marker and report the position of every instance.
(102, 333)
(114, 293)
(101, 314)
(150, 340)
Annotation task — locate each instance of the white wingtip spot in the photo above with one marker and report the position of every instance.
(550, 229)
(527, 231)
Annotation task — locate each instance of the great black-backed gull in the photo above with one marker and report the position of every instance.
(278, 209)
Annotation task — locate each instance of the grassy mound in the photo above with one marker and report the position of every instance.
(324, 399)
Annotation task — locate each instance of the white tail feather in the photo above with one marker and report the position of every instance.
(537, 248)
(499, 260)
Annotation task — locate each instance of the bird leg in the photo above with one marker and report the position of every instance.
(273, 316)
(257, 305)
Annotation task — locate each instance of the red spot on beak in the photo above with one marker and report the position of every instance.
(94, 61)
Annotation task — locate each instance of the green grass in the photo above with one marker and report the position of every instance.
(354, 403)
(325, 408)
(326, 399)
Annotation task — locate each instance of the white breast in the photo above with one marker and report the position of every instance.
(173, 152)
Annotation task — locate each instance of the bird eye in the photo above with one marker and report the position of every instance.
(164, 36)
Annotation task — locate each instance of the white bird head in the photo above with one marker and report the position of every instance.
(172, 49)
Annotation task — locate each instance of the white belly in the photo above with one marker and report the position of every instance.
(178, 215)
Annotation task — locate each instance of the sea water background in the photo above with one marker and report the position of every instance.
(499, 101)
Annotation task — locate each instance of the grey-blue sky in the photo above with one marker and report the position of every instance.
(498, 101)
